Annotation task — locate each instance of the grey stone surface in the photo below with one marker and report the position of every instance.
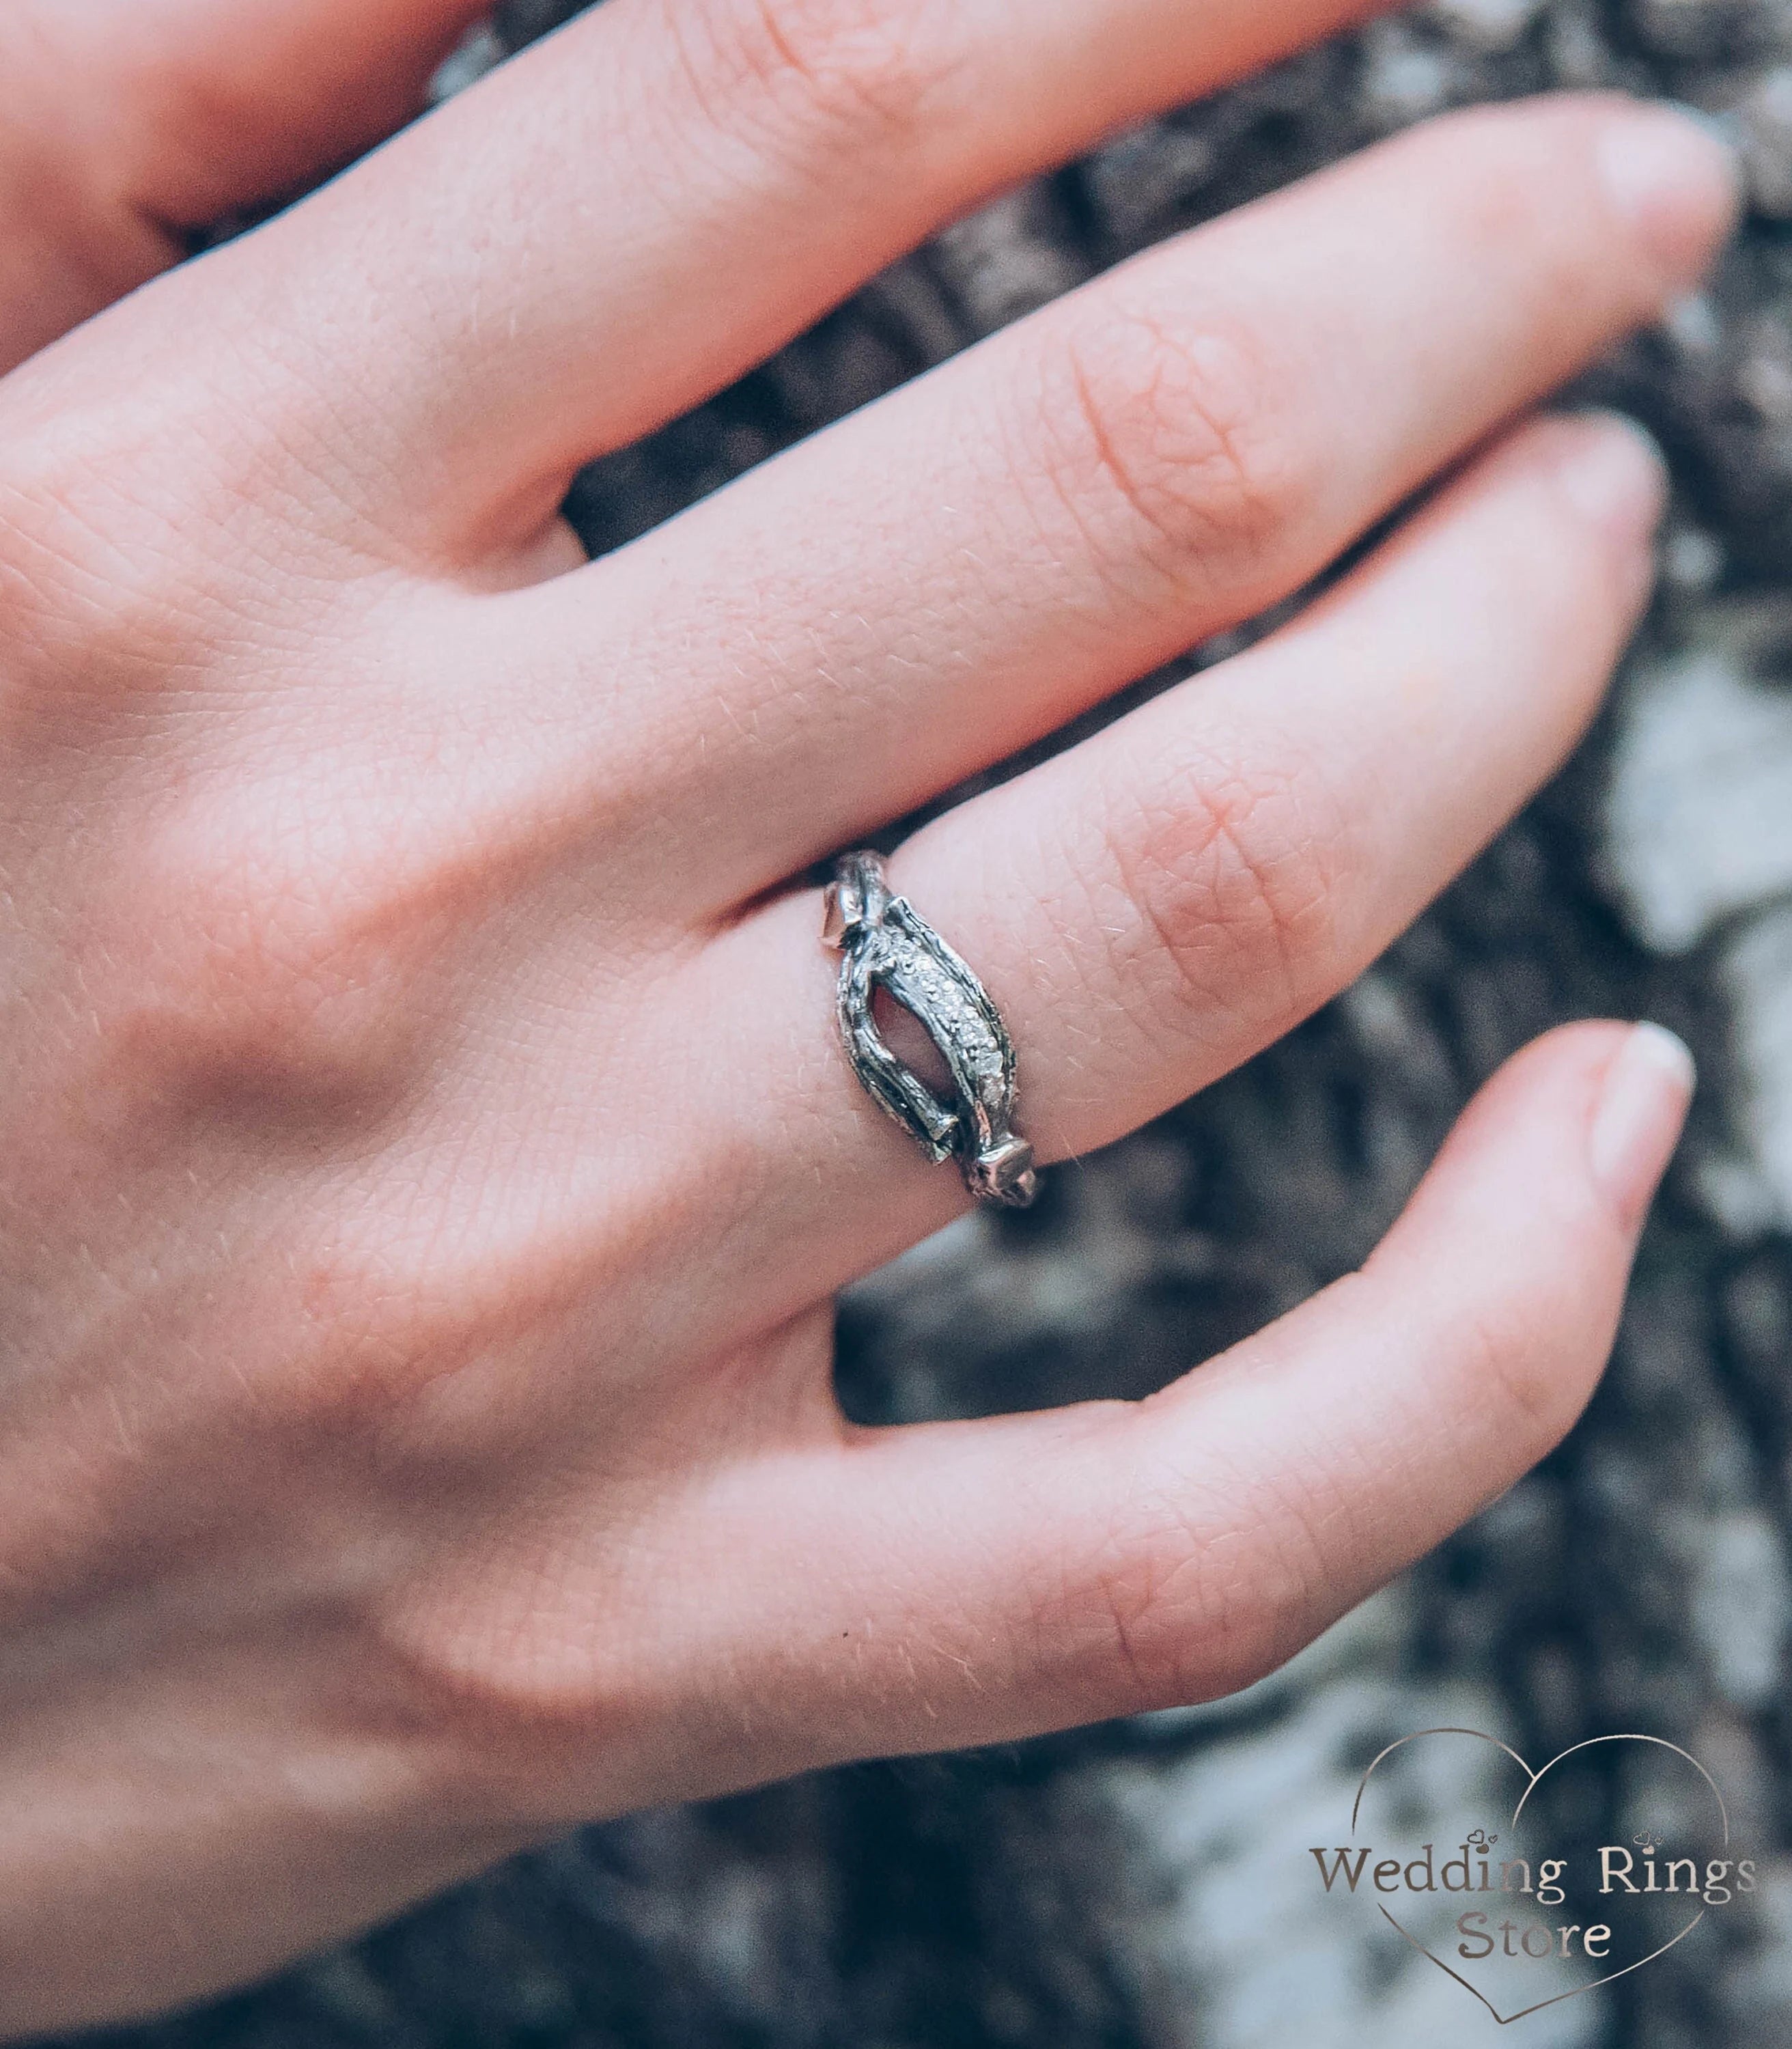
(1081, 1891)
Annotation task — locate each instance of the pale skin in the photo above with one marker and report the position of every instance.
(416, 1426)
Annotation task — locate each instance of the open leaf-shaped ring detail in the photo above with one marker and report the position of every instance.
(885, 946)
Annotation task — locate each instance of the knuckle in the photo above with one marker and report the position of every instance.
(515, 1732)
(404, 1321)
(509, 1686)
(526, 1663)
(1228, 875)
(1517, 1356)
(1193, 1611)
(848, 66)
(360, 1319)
(71, 597)
(121, 567)
(121, 564)
(263, 975)
(1166, 449)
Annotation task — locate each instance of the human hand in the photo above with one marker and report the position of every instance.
(430, 1159)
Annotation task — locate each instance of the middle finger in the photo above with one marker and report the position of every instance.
(959, 569)
(606, 230)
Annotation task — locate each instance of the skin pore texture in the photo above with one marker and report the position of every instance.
(430, 1163)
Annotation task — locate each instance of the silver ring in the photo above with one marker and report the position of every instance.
(886, 946)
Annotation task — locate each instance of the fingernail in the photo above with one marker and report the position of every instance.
(1677, 179)
(1613, 473)
(1640, 1112)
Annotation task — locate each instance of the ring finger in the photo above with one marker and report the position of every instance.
(1160, 902)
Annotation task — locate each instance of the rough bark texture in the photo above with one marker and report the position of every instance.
(1076, 1891)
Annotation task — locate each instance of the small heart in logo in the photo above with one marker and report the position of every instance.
(1479, 1856)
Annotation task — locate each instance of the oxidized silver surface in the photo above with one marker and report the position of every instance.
(886, 946)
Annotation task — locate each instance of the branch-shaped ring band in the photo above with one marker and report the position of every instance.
(885, 946)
